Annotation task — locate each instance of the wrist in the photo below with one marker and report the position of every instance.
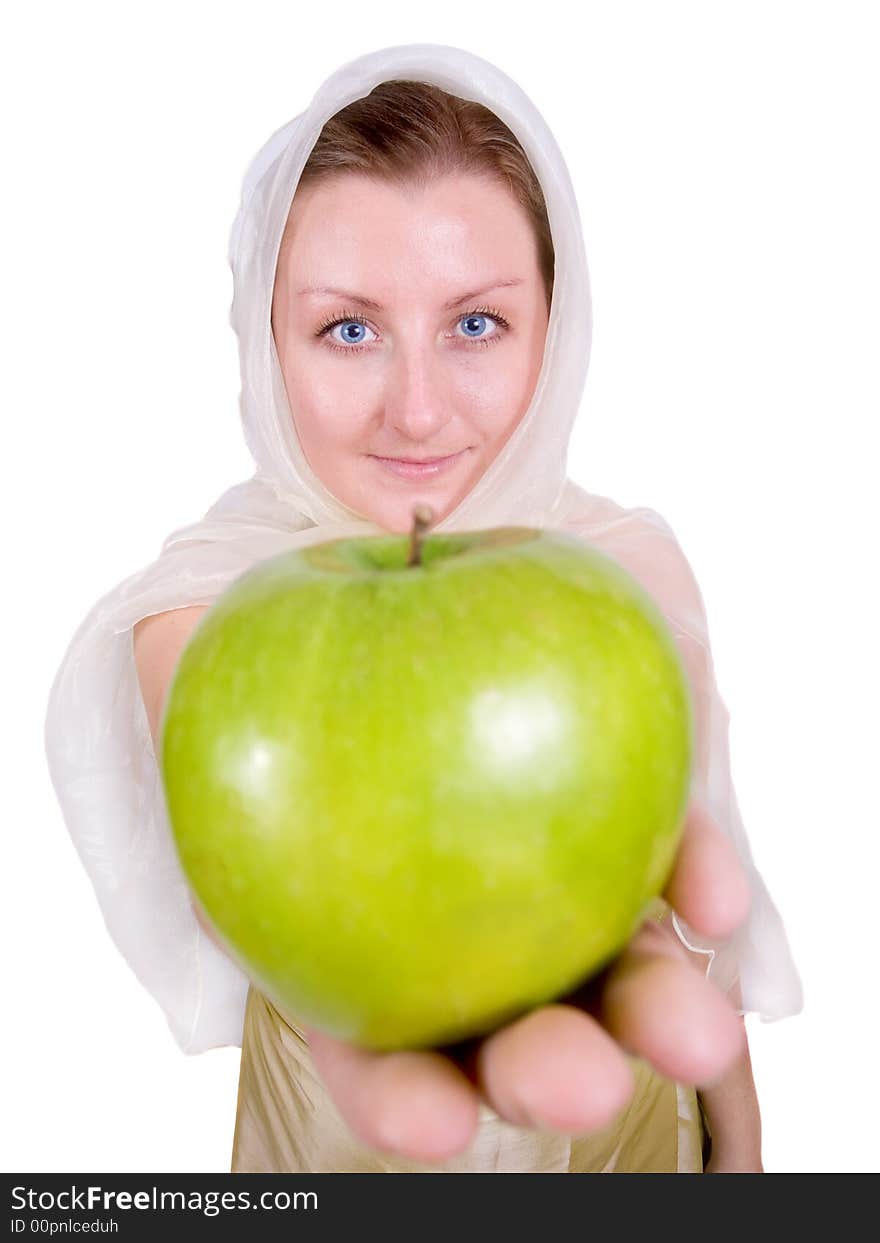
(734, 1160)
(734, 1150)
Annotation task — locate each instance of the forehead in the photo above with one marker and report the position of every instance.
(355, 231)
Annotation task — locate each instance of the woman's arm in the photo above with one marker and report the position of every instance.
(734, 1121)
(731, 1104)
(731, 1109)
(158, 642)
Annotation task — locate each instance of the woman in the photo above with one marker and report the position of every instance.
(458, 327)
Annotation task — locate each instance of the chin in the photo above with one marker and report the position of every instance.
(397, 516)
(390, 504)
(400, 523)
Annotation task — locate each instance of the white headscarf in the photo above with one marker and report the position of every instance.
(98, 743)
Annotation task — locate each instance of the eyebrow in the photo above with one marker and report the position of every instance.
(376, 306)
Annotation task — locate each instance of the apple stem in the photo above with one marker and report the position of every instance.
(423, 516)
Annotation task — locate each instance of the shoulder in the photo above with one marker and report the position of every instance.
(600, 519)
(159, 638)
(668, 574)
(158, 642)
(645, 544)
(172, 621)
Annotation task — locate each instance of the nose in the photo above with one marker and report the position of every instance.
(417, 397)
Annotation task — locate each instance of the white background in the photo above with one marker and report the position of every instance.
(725, 161)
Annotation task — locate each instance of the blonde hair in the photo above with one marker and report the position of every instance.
(412, 132)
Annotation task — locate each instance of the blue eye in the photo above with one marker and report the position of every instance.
(474, 325)
(348, 332)
(483, 325)
(352, 332)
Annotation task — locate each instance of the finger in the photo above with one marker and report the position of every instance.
(412, 1103)
(663, 1011)
(708, 887)
(555, 1069)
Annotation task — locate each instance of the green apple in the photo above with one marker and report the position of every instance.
(422, 784)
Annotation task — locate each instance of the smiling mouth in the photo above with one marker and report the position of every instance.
(418, 461)
(418, 468)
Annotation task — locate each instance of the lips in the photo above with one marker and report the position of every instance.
(426, 468)
(419, 461)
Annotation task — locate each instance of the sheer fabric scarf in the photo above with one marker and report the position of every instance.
(98, 745)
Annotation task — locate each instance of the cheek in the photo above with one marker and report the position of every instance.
(497, 390)
(330, 410)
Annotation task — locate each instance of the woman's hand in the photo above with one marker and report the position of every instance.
(563, 1066)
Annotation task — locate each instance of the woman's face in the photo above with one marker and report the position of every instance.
(409, 324)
